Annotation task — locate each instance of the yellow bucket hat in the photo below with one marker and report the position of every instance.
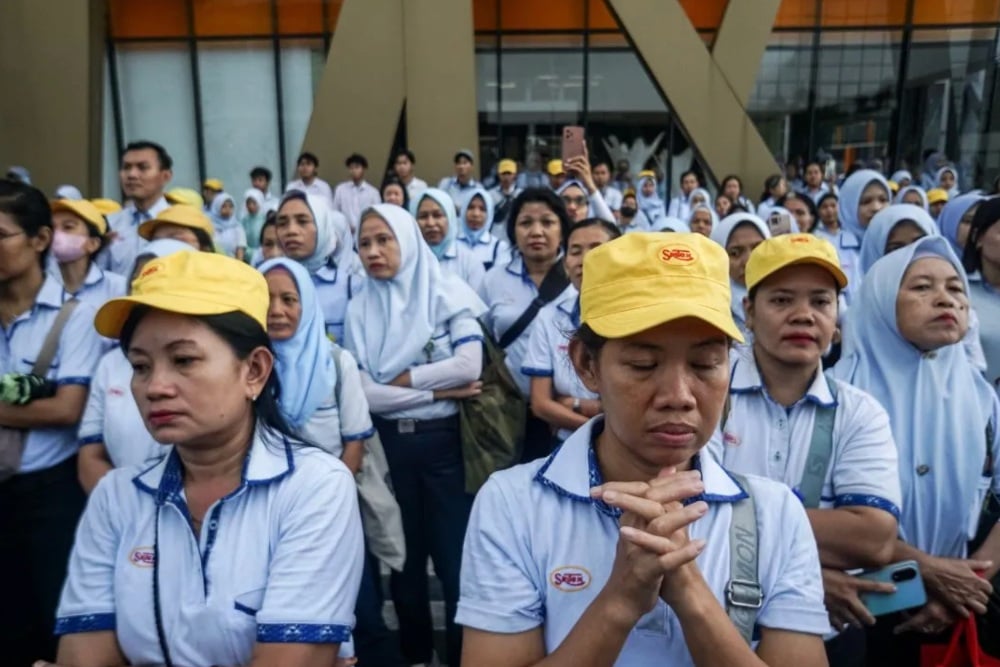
(190, 283)
(640, 281)
(779, 252)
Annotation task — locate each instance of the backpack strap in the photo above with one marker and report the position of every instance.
(820, 452)
(51, 345)
(744, 596)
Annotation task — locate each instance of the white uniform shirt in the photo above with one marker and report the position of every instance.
(112, 416)
(230, 239)
(536, 521)
(98, 286)
(119, 256)
(457, 191)
(458, 260)
(848, 248)
(318, 188)
(414, 188)
(344, 417)
(277, 560)
(612, 197)
(78, 353)
(761, 437)
(548, 348)
(489, 250)
(351, 200)
(335, 288)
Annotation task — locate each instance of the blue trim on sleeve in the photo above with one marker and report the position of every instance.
(302, 633)
(82, 381)
(91, 439)
(71, 625)
(863, 500)
(467, 339)
(536, 372)
(359, 436)
(245, 609)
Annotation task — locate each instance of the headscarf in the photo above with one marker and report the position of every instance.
(720, 234)
(901, 175)
(472, 236)
(574, 183)
(850, 198)
(253, 222)
(326, 234)
(304, 363)
(447, 204)
(912, 188)
(953, 191)
(670, 224)
(68, 192)
(933, 163)
(223, 224)
(882, 224)
(938, 404)
(951, 216)
(651, 205)
(704, 207)
(391, 321)
(703, 192)
(344, 255)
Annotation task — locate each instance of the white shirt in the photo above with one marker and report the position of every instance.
(761, 437)
(229, 240)
(112, 417)
(318, 188)
(277, 560)
(488, 249)
(680, 207)
(537, 520)
(459, 260)
(548, 348)
(335, 287)
(76, 356)
(612, 196)
(414, 188)
(457, 191)
(344, 417)
(119, 256)
(848, 248)
(98, 286)
(351, 200)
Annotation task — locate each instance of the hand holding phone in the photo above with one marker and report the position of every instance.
(910, 593)
(572, 142)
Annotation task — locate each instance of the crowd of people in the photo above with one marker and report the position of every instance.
(713, 424)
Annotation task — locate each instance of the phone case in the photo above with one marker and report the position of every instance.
(909, 593)
(572, 142)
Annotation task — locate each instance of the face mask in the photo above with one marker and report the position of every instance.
(628, 211)
(68, 248)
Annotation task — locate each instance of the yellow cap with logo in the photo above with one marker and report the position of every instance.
(106, 206)
(184, 196)
(555, 168)
(786, 250)
(179, 214)
(213, 184)
(640, 281)
(507, 167)
(190, 283)
(84, 210)
(937, 196)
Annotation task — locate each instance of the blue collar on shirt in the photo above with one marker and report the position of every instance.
(455, 182)
(569, 304)
(485, 239)
(572, 470)
(746, 379)
(94, 275)
(516, 267)
(262, 465)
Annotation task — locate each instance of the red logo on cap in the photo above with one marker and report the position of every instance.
(150, 270)
(677, 254)
(801, 239)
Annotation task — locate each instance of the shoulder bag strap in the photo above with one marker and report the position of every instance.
(51, 344)
(744, 596)
(820, 452)
(552, 286)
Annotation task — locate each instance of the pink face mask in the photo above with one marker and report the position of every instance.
(68, 248)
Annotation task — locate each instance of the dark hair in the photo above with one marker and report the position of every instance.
(408, 153)
(166, 162)
(244, 335)
(613, 231)
(538, 196)
(805, 199)
(593, 342)
(95, 233)
(770, 184)
(814, 162)
(356, 158)
(823, 197)
(691, 172)
(987, 215)
(731, 177)
(392, 180)
(269, 221)
(598, 163)
(28, 207)
(308, 157)
(205, 243)
(261, 172)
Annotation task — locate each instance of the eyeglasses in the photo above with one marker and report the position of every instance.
(576, 201)
(5, 235)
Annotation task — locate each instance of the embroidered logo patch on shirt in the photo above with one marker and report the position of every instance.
(141, 557)
(570, 578)
(731, 439)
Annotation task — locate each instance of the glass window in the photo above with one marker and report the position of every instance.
(302, 62)
(779, 102)
(158, 102)
(238, 110)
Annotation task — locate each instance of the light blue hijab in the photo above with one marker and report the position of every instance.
(938, 405)
(670, 224)
(898, 176)
(159, 248)
(881, 226)
(304, 363)
(447, 204)
(223, 224)
(471, 236)
(326, 232)
(391, 321)
(951, 216)
(912, 188)
(720, 234)
(652, 205)
(953, 191)
(850, 198)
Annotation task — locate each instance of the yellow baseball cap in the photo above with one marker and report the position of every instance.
(185, 196)
(647, 173)
(507, 167)
(179, 214)
(894, 186)
(779, 252)
(106, 206)
(640, 281)
(84, 210)
(190, 283)
(936, 196)
(555, 168)
(214, 184)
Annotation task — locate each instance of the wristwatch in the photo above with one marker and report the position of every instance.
(576, 406)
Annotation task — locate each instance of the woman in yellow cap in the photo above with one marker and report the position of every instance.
(182, 223)
(627, 546)
(243, 545)
(79, 235)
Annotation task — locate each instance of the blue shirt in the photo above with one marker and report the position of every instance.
(121, 252)
(78, 353)
(848, 248)
(278, 560)
(457, 190)
(986, 301)
(98, 286)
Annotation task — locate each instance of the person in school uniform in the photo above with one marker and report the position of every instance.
(79, 235)
(461, 184)
(475, 230)
(309, 182)
(650, 202)
(418, 344)
(220, 553)
(558, 397)
(739, 234)
(402, 166)
(955, 219)
(210, 189)
(230, 237)
(912, 194)
(937, 199)
(630, 218)
(602, 180)
(863, 194)
(355, 195)
(618, 548)
(435, 212)
(784, 413)
(982, 260)
(503, 194)
(703, 219)
(183, 223)
(318, 238)
(145, 171)
(253, 217)
(260, 180)
(680, 206)
(580, 194)
(112, 433)
(39, 493)
(903, 346)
